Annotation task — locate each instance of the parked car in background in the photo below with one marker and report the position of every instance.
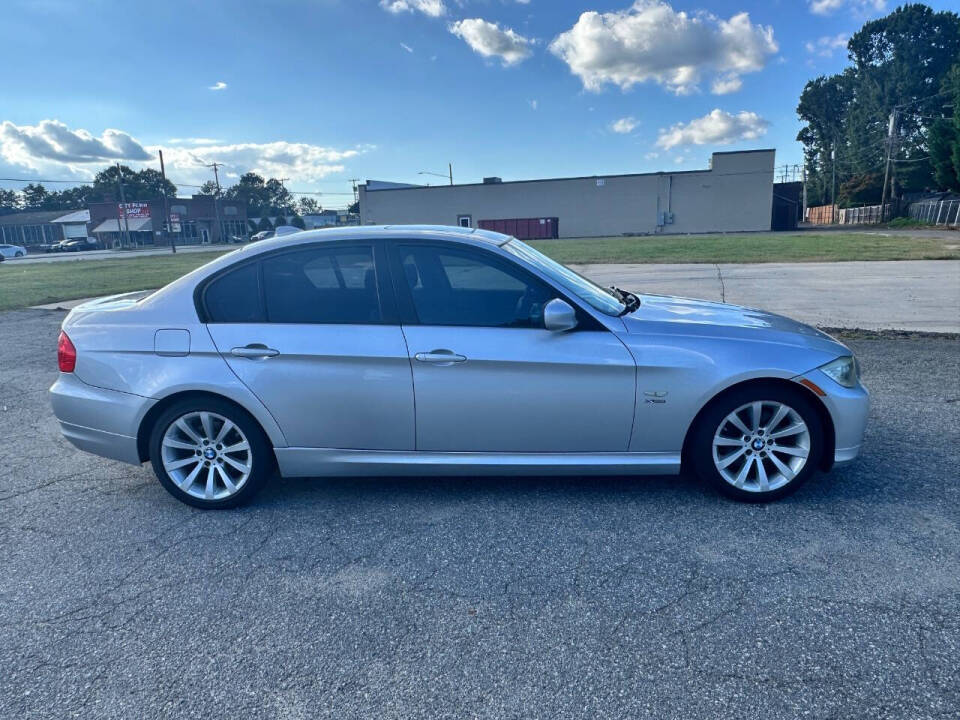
(78, 245)
(417, 350)
(12, 251)
(282, 230)
(262, 235)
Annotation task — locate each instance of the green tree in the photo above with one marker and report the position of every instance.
(9, 201)
(297, 221)
(307, 205)
(264, 224)
(354, 208)
(944, 139)
(35, 197)
(208, 188)
(895, 61)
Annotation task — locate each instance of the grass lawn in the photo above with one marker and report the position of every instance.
(810, 246)
(40, 283)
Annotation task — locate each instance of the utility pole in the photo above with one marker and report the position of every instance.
(450, 167)
(166, 210)
(803, 176)
(123, 208)
(833, 185)
(216, 200)
(891, 127)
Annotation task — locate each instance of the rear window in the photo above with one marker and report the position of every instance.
(234, 297)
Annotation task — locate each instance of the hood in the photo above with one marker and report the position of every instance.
(703, 317)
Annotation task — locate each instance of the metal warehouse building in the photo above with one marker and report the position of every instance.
(735, 194)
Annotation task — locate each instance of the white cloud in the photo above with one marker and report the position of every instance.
(406, 47)
(533, 104)
(52, 141)
(219, 85)
(716, 128)
(826, 7)
(490, 40)
(651, 156)
(433, 8)
(624, 125)
(726, 84)
(51, 149)
(826, 45)
(650, 41)
(194, 141)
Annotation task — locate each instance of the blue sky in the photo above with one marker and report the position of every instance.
(321, 91)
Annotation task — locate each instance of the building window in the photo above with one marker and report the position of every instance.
(229, 210)
(464, 221)
(178, 210)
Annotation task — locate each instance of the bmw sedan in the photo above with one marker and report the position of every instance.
(404, 350)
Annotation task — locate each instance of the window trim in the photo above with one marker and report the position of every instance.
(386, 296)
(407, 308)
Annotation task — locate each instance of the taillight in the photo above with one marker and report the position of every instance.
(66, 353)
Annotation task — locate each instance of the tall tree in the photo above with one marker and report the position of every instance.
(307, 205)
(897, 61)
(208, 188)
(945, 136)
(9, 201)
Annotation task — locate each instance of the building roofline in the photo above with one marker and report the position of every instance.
(563, 179)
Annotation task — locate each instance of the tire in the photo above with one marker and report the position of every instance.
(235, 459)
(19, 254)
(782, 450)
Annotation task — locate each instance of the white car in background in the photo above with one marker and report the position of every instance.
(12, 251)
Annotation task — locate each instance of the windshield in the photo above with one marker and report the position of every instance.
(585, 289)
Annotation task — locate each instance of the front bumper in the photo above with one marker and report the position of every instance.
(849, 409)
(99, 421)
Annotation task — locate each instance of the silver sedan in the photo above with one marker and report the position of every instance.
(432, 350)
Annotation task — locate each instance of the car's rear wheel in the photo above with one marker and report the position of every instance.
(210, 454)
(19, 254)
(758, 443)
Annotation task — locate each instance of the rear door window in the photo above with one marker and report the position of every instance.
(322, 286)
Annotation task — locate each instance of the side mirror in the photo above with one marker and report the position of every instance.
(558, 316)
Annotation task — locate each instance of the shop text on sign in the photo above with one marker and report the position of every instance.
(135, 211)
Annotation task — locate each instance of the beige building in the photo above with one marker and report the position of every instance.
(735, 194)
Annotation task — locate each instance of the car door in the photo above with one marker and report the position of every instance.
(312, 332)
(487, 375)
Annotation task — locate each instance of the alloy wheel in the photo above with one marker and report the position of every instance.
(761, 446)
(206, 455)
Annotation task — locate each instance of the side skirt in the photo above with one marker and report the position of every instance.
(332, 462)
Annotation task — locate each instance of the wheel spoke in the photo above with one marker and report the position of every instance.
(235, 465)
(762, 479)
(226, 479)
(211, 474)
(239, 447)
(777, 418)
(181, 463)
(727, 442)
(742, 475)
(782, 467)
(188, 431)
(224, 429)
(188, 480)
(178, 444)
(731, 458)
(788, 450)
(207, 425)
(794, 429)
(738, 423)
(756, 410)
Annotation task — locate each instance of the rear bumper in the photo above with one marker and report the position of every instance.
(99, 421)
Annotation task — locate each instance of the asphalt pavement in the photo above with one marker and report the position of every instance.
(487, 598)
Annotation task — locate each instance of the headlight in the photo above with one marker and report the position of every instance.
(843, 370)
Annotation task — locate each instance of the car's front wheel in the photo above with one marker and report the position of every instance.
(758, 443)
(210, 454)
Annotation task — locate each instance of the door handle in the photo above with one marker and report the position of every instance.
(254, 351)
(439, 357)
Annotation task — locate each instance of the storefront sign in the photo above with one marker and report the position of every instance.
(134, 211)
